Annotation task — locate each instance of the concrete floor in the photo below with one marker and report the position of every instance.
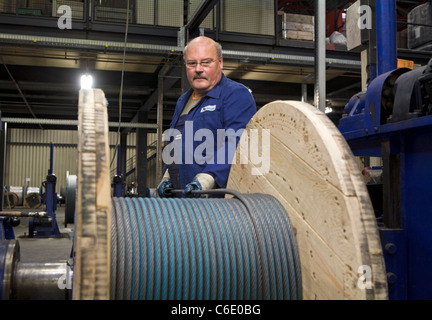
(44, 249)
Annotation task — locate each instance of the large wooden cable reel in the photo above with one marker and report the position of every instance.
(314, 174)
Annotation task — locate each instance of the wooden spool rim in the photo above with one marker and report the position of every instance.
(315, 176)
(92, 250)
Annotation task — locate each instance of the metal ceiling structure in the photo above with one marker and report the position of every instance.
(40, 65)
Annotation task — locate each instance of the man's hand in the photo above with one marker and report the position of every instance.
(165, 184)
(194, 185)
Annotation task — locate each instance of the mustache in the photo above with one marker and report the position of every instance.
(200, 77)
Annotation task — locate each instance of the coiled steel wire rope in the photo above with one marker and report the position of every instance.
(204, 249)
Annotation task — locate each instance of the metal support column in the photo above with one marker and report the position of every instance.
(304, 96)
(141, 153)
(386, 36)
(123, 153)
(320, 55)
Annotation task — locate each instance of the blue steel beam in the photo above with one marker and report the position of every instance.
(386, 35)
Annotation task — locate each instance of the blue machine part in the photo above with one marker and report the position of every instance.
(413, 94)
(386, 25)
(6, 227)
(404, 143)
(393, 120)
(118, 180)
(365, 112)
(395, 257)
(42, 227)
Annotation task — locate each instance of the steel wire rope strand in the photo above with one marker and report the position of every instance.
(209, 275)
(175, 252)
(144, 239)
(165, 253)
(289, 239)
(182, 265)
(139, 272)
(273, 244)
(239, 248)
(179, 240)
(226, 253)
(215, 271)
(113, 267)
(190, 273)
(118, 251)
(262, 271)
(238, 291)
(135, 245)
(152, 250)
(295, 269)
(236, 248)
(249, 252)
(126, 248)
(202, 257)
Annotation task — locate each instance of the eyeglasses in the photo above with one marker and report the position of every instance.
(203, 63)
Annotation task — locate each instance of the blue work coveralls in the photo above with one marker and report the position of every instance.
(229, 105)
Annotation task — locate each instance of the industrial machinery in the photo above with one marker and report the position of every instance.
(40, 224)
(46, 226)
(124, 249)
(392, 120)
(264, 240)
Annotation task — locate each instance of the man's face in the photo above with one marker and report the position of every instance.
(204, 69)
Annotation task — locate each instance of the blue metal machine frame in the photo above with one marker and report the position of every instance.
(42, 227)
(405, 146)
(118, 180)
(6, 228)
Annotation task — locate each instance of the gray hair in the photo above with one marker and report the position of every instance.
(217, 45)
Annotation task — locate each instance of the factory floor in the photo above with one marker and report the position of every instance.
(44, 249)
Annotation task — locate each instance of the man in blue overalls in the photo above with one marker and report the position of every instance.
(212, 107)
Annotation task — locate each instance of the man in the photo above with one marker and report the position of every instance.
(213, 104)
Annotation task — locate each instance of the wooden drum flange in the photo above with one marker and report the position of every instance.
(313, 173)
(92, 252)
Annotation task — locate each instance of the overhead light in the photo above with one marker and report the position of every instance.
(86, 82)
(328, 110)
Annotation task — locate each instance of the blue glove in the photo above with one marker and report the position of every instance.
(166, 184)
(194, 185)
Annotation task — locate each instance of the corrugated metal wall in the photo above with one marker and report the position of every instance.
(28, 156)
